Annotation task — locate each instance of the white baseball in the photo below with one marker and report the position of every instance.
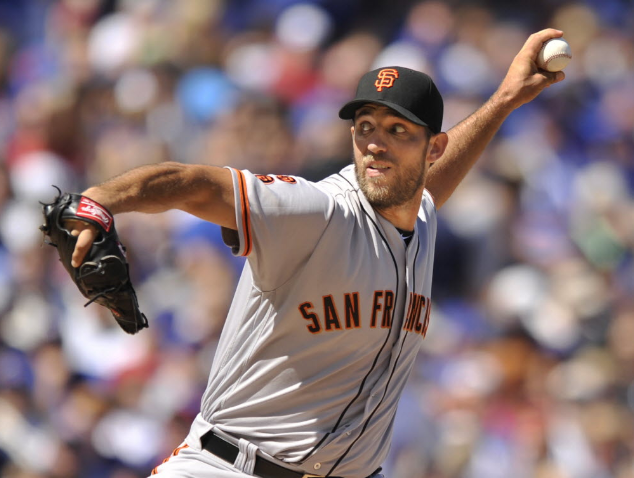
(554, 55)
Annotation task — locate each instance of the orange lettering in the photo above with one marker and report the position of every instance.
(409, 315)
(386, 321)
(264, 178)
(352, 310)
(417, 303)
(427, 315)
(314, 327)
(376, 307)
(330, 312)
(286, 179)
(421, 304)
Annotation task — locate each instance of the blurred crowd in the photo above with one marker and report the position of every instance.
(528, 366)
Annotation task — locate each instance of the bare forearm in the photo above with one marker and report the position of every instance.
(467, 141)
(204, 191)
(144, 189)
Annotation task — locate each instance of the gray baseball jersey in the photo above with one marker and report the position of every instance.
(326, 322)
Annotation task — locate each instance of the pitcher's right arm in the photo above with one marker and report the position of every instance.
(201, 190)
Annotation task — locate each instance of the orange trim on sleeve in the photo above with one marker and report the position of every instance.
(246, 214)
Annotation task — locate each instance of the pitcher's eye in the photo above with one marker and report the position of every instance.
(365, 126)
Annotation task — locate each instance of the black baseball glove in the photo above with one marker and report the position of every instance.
(103, 277)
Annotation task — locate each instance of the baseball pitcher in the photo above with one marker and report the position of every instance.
(335, 298)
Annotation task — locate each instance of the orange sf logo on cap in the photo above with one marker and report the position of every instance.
(385, 78)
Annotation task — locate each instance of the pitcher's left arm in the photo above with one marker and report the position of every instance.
(467, 140)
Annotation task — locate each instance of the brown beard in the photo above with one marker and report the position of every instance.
(382, 196)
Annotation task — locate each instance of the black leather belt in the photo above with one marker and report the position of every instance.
(229, 452)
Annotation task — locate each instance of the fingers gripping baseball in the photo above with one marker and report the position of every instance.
(524, 80)
(530, 52)
(536, 40)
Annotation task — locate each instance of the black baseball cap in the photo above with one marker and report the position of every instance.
(410, 93)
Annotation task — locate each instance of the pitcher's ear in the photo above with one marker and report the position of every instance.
(437, 145)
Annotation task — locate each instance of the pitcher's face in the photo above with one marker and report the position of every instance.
(389, 156)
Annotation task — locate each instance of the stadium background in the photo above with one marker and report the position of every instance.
(528, 367)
